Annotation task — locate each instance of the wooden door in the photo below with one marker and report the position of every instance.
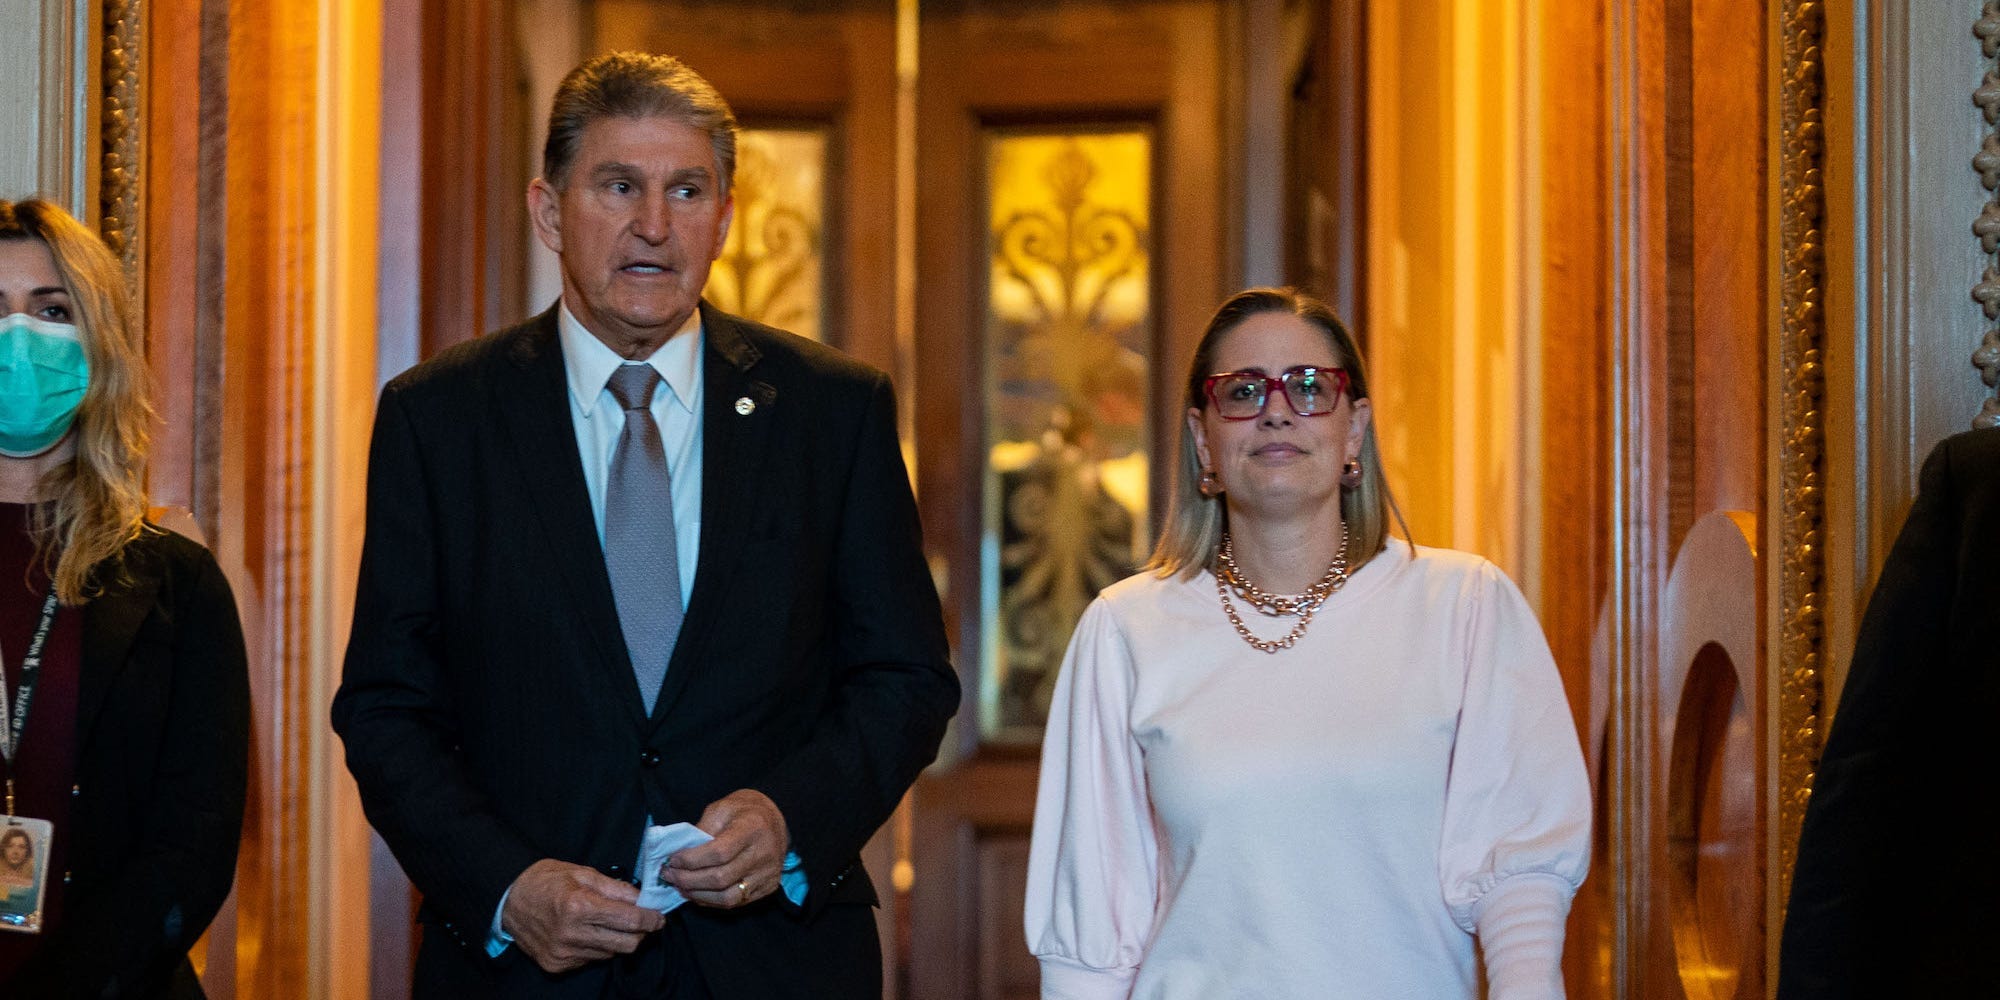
(1691, 758)
(1704, 820)
(1071, 235)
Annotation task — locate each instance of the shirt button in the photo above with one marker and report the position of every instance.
(75, 790)
(616, 871)
(65, 878)
(649, 758)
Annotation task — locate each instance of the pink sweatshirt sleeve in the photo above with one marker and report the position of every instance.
(1516, 840)
(1094, 861)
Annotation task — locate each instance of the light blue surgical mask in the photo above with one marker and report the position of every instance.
(43, 373)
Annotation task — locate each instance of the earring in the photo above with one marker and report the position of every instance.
(1350, 476)
(1209, 485)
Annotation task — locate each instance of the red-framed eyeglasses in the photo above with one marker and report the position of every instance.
(1312, 391)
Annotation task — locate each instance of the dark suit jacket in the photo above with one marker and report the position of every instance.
(163, 736)
(1896, 877)
(489, 710)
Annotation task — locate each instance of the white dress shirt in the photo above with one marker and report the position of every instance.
(676, 407)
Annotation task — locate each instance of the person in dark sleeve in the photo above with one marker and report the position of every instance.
(631, 564)
(1895, 877)
(126, 699)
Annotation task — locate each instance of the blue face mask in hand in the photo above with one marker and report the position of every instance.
(43, 373)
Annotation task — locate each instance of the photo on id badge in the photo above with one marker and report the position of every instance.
(24, 851)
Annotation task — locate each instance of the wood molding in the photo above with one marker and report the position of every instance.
(159, 193)
(122, 142)
(49, 59)
(263, 503)
(1566, 76)
(1711, 703)
(169, 264)
(1636, 233)
(472, 203)
(1987, 226)
(1798, 441)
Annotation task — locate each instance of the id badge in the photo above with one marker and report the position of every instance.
(24, 872)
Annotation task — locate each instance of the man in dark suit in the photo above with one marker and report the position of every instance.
(637, 560)
(1896, 876)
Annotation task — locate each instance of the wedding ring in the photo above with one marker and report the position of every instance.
(745, 890)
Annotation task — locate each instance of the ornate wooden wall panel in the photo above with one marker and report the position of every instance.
(1729, 254)
(1708, 858)
(173, 246)
(1575, 501)
(1636, 237)
(1706, 941)
(1689, 252)
(262, 512)
(472, 201)
(175, 105)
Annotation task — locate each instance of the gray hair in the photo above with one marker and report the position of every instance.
(636, 85)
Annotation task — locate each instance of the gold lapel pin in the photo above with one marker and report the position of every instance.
(744, 407)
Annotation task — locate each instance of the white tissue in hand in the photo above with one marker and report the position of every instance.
(661, 843)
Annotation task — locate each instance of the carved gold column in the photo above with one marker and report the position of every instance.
(123, 138)
(1801, 422)
(1987, 227)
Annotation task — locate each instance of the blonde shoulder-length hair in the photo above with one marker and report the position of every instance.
(1194, 526)
(97, 502)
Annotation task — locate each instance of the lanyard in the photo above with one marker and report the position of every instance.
(16, 716)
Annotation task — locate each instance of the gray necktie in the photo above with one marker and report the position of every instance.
(640, 549)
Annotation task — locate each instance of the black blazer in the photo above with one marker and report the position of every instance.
(1895, 883)
(163, 736)
(488, 706)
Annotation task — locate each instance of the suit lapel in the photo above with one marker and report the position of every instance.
(735, 443)
(531, 395)
(110, 623)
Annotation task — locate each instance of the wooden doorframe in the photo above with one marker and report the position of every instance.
(1642, 462)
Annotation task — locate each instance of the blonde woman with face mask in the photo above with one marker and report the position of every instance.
(124, 716)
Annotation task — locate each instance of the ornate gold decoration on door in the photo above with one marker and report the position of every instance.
(1069, 343)
(772, 267)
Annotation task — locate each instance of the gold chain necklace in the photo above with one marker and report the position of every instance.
(1276, 605)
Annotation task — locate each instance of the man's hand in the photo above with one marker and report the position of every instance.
(564, 916)
(741, 865)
